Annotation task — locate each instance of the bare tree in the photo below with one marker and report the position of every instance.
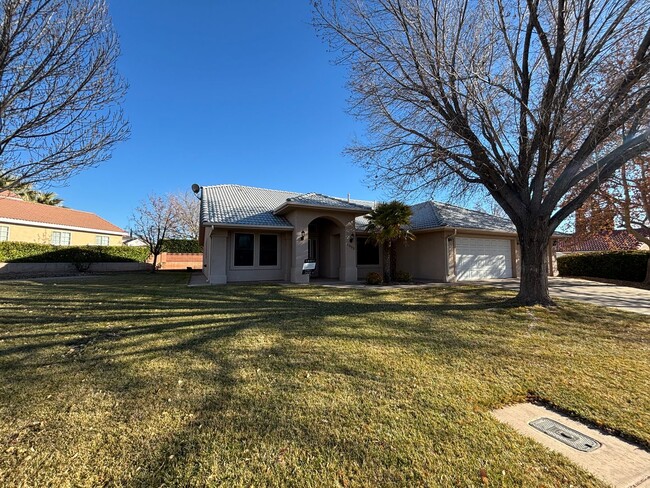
(490, 206)
(484, 92)
(187, 209)
(154, 221)
(635, 202)
(60, 92)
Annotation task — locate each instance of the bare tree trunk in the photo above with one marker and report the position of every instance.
(647, 273)
(533, 288)
(155, 261)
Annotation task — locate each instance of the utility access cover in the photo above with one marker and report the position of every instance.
(565, 434)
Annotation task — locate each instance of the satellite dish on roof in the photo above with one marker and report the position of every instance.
(196, 188)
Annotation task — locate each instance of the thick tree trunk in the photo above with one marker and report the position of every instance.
(647, 273)
(533, 288)
(155, 261)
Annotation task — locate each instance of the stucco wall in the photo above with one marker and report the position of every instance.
(219, 258)
(423, 257)
(43, 235)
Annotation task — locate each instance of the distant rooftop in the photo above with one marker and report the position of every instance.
(616, 240)
(13, 208)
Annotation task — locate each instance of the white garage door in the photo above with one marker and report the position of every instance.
(478, 259)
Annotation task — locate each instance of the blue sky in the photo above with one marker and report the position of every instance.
(223, 92)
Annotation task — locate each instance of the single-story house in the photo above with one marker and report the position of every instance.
(23, 221)
(613, 240)
(133, 242)
(256, 234)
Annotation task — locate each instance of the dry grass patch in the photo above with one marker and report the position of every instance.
(138, 380)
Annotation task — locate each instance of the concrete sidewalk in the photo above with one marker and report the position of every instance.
(616, 462)
(603, 294)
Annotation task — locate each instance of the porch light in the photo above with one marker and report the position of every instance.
(302, 235)
(351, 239)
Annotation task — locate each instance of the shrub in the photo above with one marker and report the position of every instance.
(615, 265)
(403, 277)
(82, 256)
(182, 246)
(374, 279)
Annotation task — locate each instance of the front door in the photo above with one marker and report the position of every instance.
(312, 244)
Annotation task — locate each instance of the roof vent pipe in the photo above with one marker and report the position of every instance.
(348, 198)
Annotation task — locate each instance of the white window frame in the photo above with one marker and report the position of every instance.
(58, 238)
(4, 233)
(102, 240)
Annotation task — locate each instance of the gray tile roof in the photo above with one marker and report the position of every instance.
(431, 215)
(245, 205)
(463, 218)
(326, 201)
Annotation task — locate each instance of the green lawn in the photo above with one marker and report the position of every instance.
(138, 380)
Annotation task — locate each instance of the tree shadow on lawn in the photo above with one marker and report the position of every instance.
(217, 339)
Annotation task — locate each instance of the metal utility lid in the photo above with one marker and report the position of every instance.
(565, 434)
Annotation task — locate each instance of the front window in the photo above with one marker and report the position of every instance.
(244, 249)
(268, 250)
(101, 240)
(4, 233)
(60, 238)
(367, 252)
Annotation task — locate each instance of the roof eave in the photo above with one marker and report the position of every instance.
(285, 206)
(51, 225)
(223, 225)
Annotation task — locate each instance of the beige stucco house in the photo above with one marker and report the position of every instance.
(256, 234)
(22, 221)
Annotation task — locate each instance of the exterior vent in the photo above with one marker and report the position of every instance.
(565, 434)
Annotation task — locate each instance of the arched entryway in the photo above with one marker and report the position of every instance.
(324, 246)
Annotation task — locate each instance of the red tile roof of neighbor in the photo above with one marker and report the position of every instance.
(13, 207)
(616, 240)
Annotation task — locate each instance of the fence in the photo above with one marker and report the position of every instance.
(179, 260)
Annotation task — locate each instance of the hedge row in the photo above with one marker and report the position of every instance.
(26, 252)
(181, 245)
(615, 265)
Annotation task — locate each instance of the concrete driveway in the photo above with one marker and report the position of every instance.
(603, 294)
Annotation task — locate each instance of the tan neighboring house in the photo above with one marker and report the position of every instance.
(256, 234)
(22, 221)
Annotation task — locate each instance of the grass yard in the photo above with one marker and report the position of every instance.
(137, 380)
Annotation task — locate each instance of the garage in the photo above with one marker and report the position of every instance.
(479, 258)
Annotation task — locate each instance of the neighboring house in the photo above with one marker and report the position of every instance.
(615, 240)
(255, 234)
(48, 224)
(133, 242)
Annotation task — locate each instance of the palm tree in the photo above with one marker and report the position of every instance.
(28, 193)
(48, 198)
(387, 225)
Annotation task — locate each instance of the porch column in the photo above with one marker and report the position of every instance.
(348, 266)
(299, 248)
(218, 257)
